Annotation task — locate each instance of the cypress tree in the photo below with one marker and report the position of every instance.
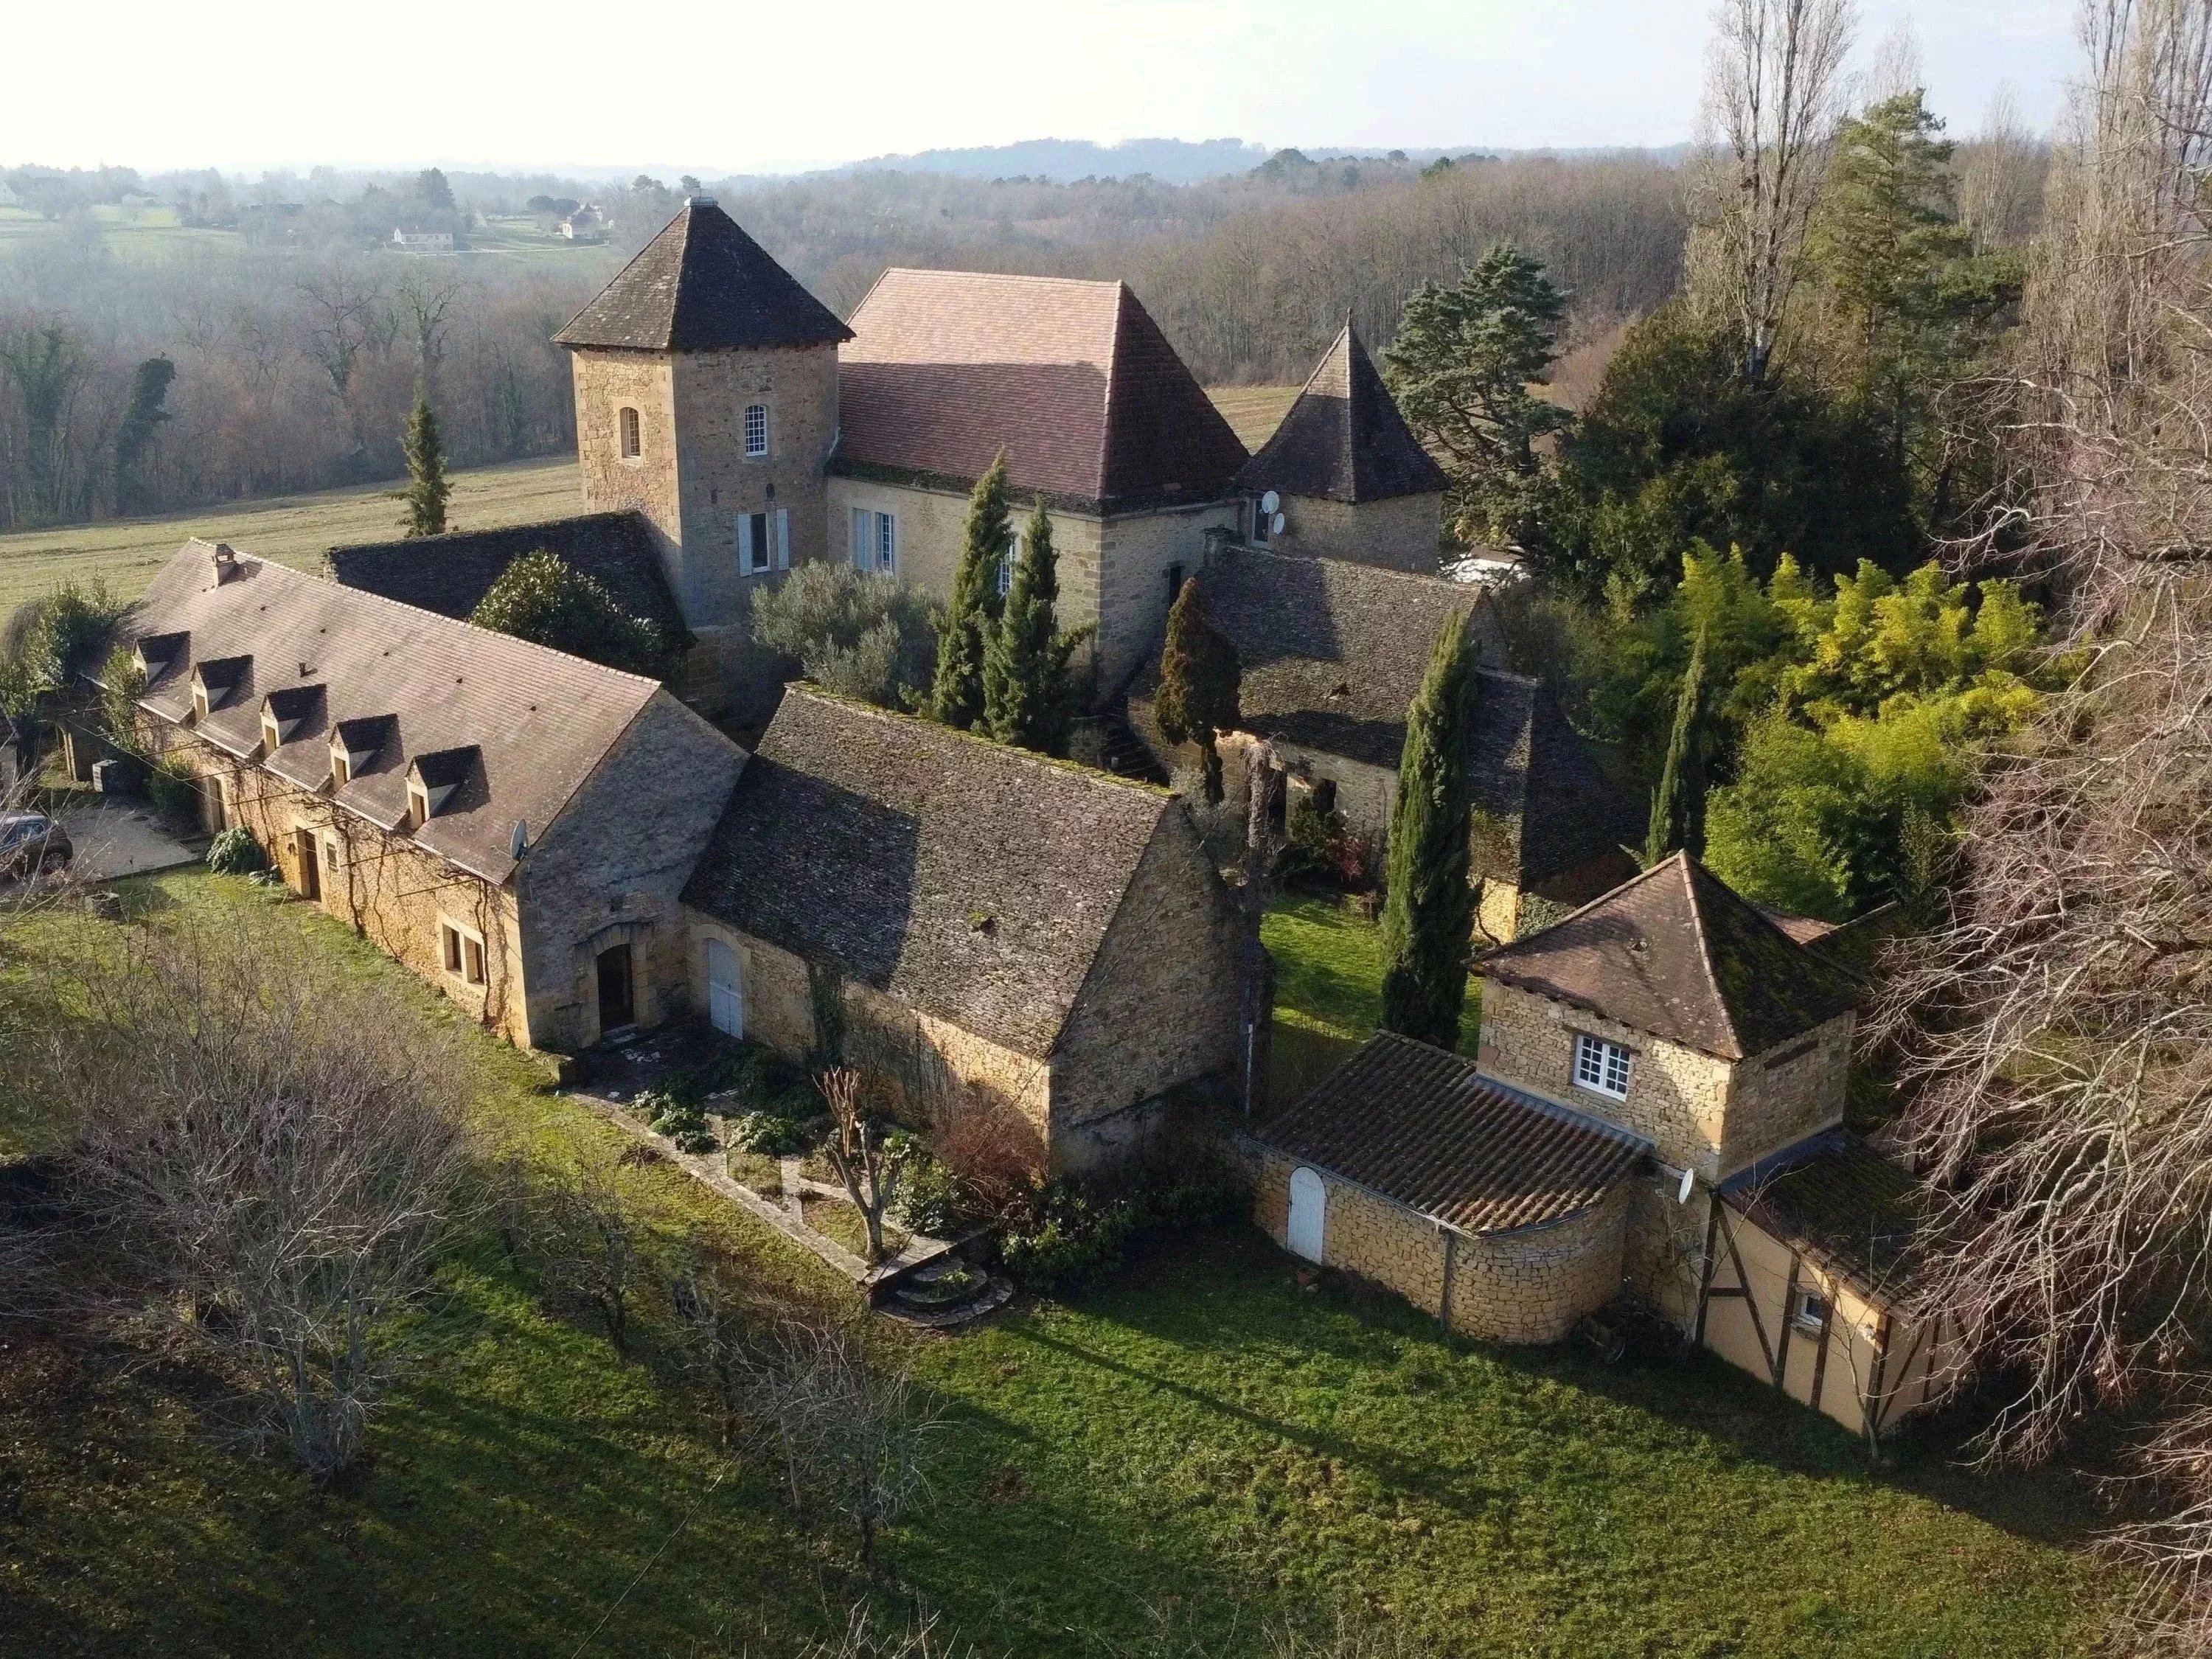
(1201, 682)
(972, 616)
(1428, 917)
(427, 490)
(1025, 665)
(1678, 807)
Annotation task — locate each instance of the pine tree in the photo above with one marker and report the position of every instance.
(972, 616)
(426, 469)
(1678, 805)
(1025, 683)
(1428, 918)
(1201, 682)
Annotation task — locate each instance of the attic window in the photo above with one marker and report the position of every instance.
(431, 780)
(200, 700)
(1601, 1066)
(626, 419)
(418, 804)
(341, 766)
(756, 431)
(270, 735)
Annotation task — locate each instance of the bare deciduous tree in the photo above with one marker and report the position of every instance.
(852, 1433)
(592, 1249)
(272, 1150)
(867, 1165)
(2057, 1031)
(1773, 96)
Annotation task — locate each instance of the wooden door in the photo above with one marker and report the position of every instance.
(307, 853)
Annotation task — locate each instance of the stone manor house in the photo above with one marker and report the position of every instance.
(568, 851)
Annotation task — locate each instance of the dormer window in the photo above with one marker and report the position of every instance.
(270, 736)
(756, 431)
(156, 651)
(433, 779)
(217, 681)
(626, 421)
(341, 766)
(284, 713)
(353, 746)
(199, 700)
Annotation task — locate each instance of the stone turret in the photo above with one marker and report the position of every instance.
(705, 381)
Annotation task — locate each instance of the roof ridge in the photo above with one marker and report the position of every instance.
(443, 620)
(999, 277)
(1610, 893)
(1682, 862)
(1090, 775)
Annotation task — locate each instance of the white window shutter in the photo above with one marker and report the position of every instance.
(783, 539)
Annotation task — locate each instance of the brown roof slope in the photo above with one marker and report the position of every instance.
(539, 720)
(1419, 1127)
(1857, 1213)
(1332, 652)
(1344, 439)
(703, 285)
(1073, 379)
(1675, 952)
(970, 879)
(1543, 805)
(451, 573)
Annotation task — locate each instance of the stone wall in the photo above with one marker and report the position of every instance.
(610, 870)
(933, 1068)
(388, 889)
(1677, 1097)
(1401, 532)
(1778, 1097)
(1160, 1005)
(1139, 551)
(1528, 1286)
(692, 478)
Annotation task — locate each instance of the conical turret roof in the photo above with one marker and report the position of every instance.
(1344, 439)
(703, 285)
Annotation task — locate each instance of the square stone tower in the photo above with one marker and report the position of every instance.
(705, 382)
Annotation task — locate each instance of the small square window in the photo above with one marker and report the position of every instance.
(1602, 1066)
(1811, 1311)
(462, 952)
(756, 430)
(330, 857)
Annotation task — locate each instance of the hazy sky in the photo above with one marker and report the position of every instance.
(769, 85)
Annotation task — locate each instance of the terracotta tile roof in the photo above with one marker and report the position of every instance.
(1675, 952)
(1843, 1203)
(1073, 379)
(1344, 439)
(451, 573)
(703, 285)
(971, 880)
(1421, 1127)
(539, 720)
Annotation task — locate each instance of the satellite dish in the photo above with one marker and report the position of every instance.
(1689, 1181)
(1270, 501)
(519, 843)
(1275, 525)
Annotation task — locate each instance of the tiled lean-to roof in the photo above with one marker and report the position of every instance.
(972, 880)
(415, 683)
(451, 573)
(703, 285)
(1344, 439)
(1838, 1199)
(1421, 1127)
(1073, 379)
(1675, 952)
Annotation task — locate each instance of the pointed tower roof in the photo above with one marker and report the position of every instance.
(1676, 952)
(1344, 439)
(703, 285)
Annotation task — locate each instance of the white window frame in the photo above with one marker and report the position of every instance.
(755, 416)
(341, 768)
(461, 952)
(1007, 561)
(873, 538)
(1602, 1067)
(1812, 1310)
(629, 433)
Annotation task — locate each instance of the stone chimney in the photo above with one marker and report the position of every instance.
(225, 563)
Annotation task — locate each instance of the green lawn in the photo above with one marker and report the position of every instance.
(1168, 1463)
(1329, 969)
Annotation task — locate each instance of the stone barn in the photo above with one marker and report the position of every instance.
(993, 931)
(514, 823)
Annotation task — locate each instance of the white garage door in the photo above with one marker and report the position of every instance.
(1309, 1214)
(726, 999)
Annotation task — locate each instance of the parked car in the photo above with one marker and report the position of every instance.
(31, 843)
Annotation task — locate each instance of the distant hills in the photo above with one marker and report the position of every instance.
(1172, 161)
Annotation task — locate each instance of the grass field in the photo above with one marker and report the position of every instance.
(296, 529)
(1329, 969)
(293, 530)
(1170, 1463)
